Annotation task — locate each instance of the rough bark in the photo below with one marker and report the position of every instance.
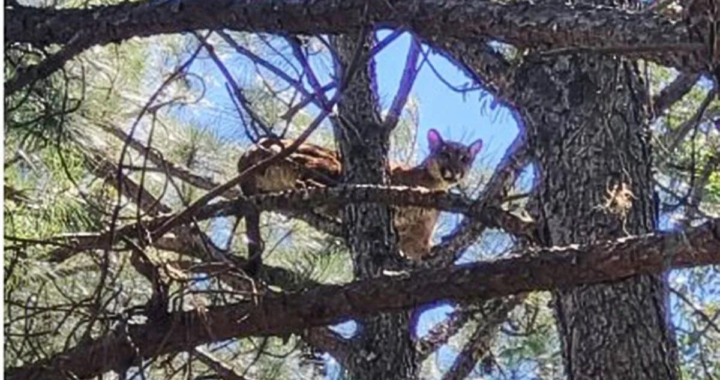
(383, 348)
(587, 119)
(281, 314)
(523, 24)
(487, 67)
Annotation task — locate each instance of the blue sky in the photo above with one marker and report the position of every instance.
(459, 117)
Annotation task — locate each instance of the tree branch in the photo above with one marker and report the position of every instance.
(698, 190)
(324, 339)
(31, 74)
(154, 156)
(441, 334)
(673, 92)
(302, 200)
(469, 230)
(673, 139)
(295, 83)
(410, 72)
(105, 169)
(277, 314)
(524, 24)
(480, 62)
(478, 345)
(220, 368)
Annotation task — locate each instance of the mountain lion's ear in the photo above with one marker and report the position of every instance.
(434, 140)
(476, 147)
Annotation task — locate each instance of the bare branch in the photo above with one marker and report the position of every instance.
(698, 190)
(156, 157)
(673, 139)
(309, 72)
(295, 83)
(237, 91)
(30, 75)
(696, 310)
(103, 168)
(406, 83)
(324, 339)
(537, 269)
(441, 334)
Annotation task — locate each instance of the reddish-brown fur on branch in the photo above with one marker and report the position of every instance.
(447, 164)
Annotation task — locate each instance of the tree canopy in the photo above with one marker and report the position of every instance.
(125, 243)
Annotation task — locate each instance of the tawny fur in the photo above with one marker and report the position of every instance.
(311, 165)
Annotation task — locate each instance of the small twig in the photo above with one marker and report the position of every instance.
(710, 322)
(256, 119)
(297, 84)
(674, 139)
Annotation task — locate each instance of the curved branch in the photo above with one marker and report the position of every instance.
(407, 80)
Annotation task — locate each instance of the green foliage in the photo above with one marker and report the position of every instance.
(53, 189)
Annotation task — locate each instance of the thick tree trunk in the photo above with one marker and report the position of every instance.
(383, 347)
(587, 121)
